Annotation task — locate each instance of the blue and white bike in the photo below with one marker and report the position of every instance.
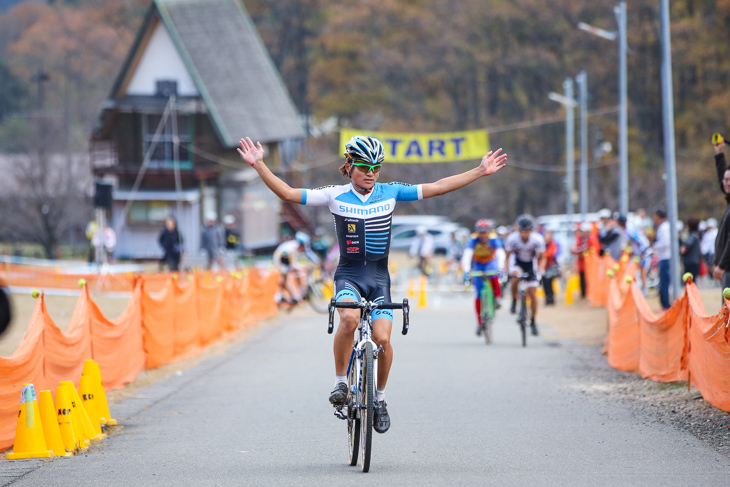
(362, 374)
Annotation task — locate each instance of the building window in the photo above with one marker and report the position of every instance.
(148, 212)
(163, 156)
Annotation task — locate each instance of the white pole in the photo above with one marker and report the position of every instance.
(669, 154)
(623, 138)
(569, 147)
(582, 80)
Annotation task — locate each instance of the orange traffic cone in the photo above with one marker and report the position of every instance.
(51, 429)
(71, 430)
(86, 391)
(422, 302)
(91, 368)
(29, 439)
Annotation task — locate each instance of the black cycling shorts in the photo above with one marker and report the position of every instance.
(351, 286)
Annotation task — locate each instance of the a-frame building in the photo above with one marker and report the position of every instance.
(201, 66)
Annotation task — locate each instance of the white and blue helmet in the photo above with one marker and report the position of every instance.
(366, 149)
(302, 238)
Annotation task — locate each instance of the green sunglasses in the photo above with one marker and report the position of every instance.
(366, 168)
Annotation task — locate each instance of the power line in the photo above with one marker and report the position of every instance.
(546, 121)
(553, 168)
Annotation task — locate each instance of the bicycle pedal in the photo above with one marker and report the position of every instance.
(341, 412)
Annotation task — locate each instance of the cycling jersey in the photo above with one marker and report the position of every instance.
(286, 256)
(638, 241)
(362, 225)
(484, 253)
(526, 253)
(362, 222)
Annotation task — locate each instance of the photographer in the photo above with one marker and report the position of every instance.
(5, 309)
(722, 248)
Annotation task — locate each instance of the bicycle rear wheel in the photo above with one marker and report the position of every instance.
(353, 415)
(523, 318)
(368, 403)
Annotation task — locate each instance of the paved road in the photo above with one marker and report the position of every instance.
(462, 414)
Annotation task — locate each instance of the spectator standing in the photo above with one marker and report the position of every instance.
(722, 248)
(552, 269)
(690, 248)
(707, 244)
(171, 242)
(611, 237)
(91, 229)
(422, 248)
(582, 244)
(212, 241)
(232, 236)
(663, 250)
(105, 239)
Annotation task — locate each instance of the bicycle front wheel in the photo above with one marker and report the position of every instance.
(488, 311)
(368, 405)
(318, 297)
(353, 415)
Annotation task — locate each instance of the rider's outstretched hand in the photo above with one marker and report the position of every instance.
(492, 162)
(253, 154)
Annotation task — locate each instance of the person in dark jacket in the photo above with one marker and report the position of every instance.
(171, 243)
(721, 263)
(6, 315)
(232, 236)
(690, 249)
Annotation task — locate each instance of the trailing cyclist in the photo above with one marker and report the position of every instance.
(482, 254)
(525, 255)
(286, 262)
(638, 246)
(362, 211)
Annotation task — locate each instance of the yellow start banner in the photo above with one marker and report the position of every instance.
(436, 147)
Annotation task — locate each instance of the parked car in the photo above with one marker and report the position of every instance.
(416, 220)
(402, 235)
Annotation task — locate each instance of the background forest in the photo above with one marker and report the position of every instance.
(401, 65)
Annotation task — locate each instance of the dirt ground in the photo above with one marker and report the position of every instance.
(587, 325)
(670, 403)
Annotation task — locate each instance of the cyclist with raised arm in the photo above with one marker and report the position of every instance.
(525, 254)
(481, 255)
(286, 262)
(362, 211)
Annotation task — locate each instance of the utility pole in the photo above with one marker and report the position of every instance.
(569, 103)
(569, 146)
(623, 137)
(582, 80)
(669, 147)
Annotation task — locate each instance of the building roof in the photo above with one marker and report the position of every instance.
(230, 66)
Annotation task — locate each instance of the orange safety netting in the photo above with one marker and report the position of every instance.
(164, 321)
(30, 276)
(682, 343)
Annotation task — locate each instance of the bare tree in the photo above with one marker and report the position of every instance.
(46, 194)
